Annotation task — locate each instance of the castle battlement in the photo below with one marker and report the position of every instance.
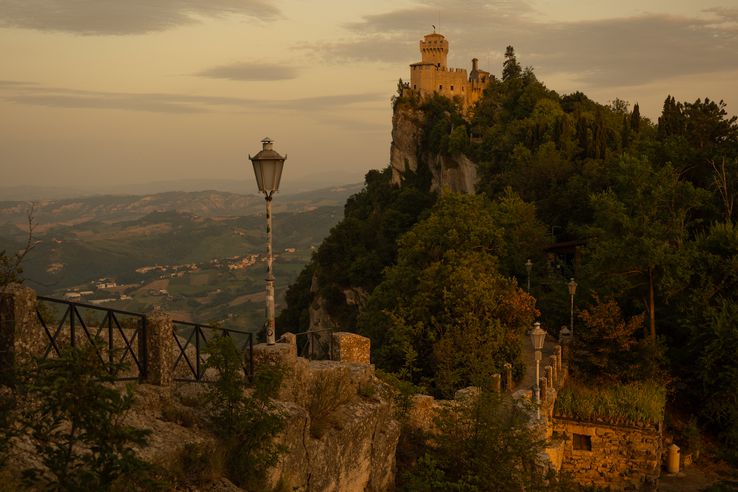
(432, 75)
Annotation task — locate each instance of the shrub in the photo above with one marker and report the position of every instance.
(246, 424)
(75, 417)
(481, 444)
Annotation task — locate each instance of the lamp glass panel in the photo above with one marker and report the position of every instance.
(257, 173)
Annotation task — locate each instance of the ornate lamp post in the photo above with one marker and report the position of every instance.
(572, 290)
(268, 166)
(537, 337)
(528, 268)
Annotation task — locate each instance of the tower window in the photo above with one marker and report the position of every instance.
(440, 87)
(452, 88)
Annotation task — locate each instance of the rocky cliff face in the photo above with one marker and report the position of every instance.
(456, 173)
(356, 451)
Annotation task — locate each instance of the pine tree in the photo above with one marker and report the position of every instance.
(510, 68)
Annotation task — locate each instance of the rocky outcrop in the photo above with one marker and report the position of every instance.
(407, 124)
(341, 432)
(320, 318)
(457, 173)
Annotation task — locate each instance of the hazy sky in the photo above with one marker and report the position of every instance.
(130, 91)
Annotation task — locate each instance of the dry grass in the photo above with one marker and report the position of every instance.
(638, 404)
(329, 390)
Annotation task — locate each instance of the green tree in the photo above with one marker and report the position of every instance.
(608, 347)
(717, 344)
(510, 67)
(444, 316)
(75, 417)
(639, 238)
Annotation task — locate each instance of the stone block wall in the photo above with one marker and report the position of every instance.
(618, 458)
(350, 347)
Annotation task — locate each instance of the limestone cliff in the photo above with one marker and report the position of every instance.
(456, 173)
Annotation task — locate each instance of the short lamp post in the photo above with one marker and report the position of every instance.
(268, 166)
(537, 337)
(529, 268)
(572, 290)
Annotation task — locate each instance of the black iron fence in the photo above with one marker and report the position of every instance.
(119, 337)
(191, 353)
(315, 345)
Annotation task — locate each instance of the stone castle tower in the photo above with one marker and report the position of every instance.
(432, 74)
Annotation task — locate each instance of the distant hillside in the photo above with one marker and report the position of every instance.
(114, 208)
(198, 254)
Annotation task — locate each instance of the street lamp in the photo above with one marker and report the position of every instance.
(537, 337)
(268, 166)
(572, 290)
(528, 268)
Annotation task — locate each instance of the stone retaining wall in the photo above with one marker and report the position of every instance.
(618, 458)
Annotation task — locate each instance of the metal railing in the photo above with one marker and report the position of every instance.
(119, 337)
(315, 345)
(191, 353)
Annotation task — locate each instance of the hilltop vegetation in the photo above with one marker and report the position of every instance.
(643, 213)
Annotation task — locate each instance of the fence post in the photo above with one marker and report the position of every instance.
(496, 383)
(157, 349)
(508, 377)
(20, 336)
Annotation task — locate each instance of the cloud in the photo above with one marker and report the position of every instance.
(637, 50)
(251, 71)
(121, 17)
(39, 95)
(607, 52)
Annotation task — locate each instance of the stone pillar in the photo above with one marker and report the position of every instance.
(558, 354)
(554, 374)
(21, 336)
(280, 354)
(547, 372)
(496, 383)
(508, 377)
(350, 347)
(157, 351)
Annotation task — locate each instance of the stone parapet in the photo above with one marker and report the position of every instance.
(21, 336)
(350, 347)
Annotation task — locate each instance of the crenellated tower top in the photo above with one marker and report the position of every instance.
(434, 50)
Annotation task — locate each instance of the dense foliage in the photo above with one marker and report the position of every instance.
(642, 213)
(480, 444)
(444, 316)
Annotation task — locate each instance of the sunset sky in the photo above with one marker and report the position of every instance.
(134, 91)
